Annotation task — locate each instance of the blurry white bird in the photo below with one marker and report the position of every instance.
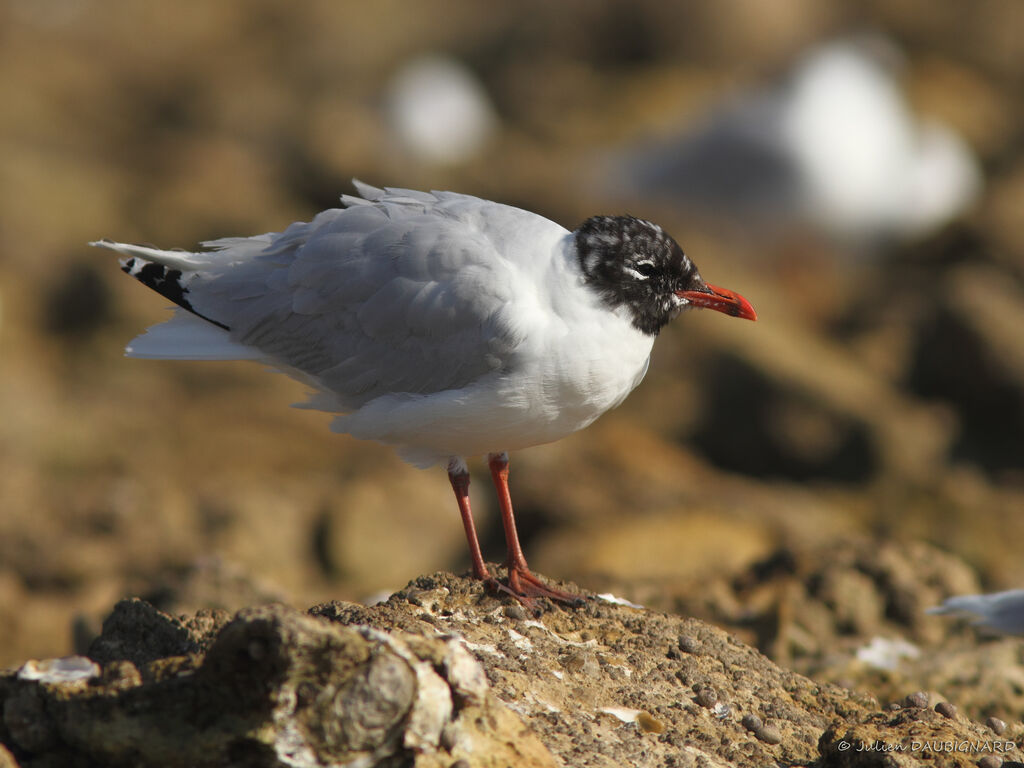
(439, 111)
(440, 324)
(836, 145)
(999, 611)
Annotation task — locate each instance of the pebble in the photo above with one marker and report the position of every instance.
(751, 722)
(687, 644)
(769, 734)
(707, 697)
(946, 709)
(918, 699)
(515, 611)
(68, 669)
(990, 761)
(996, 725)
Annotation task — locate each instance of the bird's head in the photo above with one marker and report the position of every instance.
(635, 264)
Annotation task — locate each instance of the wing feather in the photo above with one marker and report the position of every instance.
(409, 303)
(401, 292)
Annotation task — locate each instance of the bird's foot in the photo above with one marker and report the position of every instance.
(496, 587)
(524, 586)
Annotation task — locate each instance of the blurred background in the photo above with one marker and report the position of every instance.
(819, 477)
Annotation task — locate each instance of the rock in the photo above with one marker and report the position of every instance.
(67, 669)
(910, 737)
(856, 613)
(208, 583)
(917, 699)
(687, 644)
(768, 735)
(439, 674)
(707, 697)
(25, 719)
(996, 725)
(137, 632)
(276, 687)
(974, 332)
(751, 722)
(6, 758)
(812, 608)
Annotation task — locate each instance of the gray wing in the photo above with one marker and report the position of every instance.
(402, 295)
(1001, 611)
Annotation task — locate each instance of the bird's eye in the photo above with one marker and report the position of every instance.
(646, 269)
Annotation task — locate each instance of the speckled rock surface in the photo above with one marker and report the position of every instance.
(275, 687)
(441, 673)
(856, 613)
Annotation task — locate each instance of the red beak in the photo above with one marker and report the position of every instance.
(720, 300)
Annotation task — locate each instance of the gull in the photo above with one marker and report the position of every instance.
(443, 325)
(998, 611)
(439, 112)
(835, 145)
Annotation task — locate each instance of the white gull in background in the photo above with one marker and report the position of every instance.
(835, 145)
(998, 611)
(439, 111)
(443, 325)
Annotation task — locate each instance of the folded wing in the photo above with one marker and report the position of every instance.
(398, 293)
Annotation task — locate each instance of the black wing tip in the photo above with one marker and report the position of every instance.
(165, 281)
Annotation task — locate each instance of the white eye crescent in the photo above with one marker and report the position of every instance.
(643, 270)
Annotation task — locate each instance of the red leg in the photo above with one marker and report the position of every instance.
(458, 475)
(521, 580)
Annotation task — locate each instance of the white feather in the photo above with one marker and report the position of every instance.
(183, 260)
(187, 337)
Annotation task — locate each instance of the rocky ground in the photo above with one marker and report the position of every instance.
(443, 674)
(810, 483)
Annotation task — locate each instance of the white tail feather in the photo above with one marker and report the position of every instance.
(183, 260)
(187, 337)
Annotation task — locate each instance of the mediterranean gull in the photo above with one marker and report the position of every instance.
(835, 145)
(439, 112)
(441, 324)
(997, 611)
